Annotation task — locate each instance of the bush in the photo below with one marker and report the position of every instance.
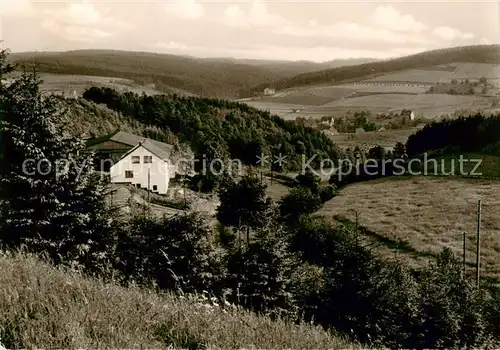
(309, 180)
(450, 308)
(299, 201)
(175, 254)
(262, 271)
(327, 192)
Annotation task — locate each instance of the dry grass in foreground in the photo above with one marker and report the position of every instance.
(45, 307)
(427, 214)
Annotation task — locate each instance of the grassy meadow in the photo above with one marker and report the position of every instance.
(415, 218)
(46, 307)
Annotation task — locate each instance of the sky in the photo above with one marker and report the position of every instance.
(276, 30)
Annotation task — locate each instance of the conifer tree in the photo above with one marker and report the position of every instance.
(51, 201)
(264, 268)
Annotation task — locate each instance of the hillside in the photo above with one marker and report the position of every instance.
(45, 307)
(291, 68)
(414, 218)
(220, 129)
(209, 77)
(206, 78)
(476, 54)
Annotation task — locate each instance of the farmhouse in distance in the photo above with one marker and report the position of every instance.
(269, 92)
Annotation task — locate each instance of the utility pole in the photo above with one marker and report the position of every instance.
(357, 226)
(184, 190)
(478, 243)
(464, 255)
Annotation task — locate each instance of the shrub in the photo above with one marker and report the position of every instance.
(300, 200)
(175, 254)
(327, 192)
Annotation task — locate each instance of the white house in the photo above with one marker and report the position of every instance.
(408, 113)
(146, 165)
(269, 91)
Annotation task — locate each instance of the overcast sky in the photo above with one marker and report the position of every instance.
(281, 30)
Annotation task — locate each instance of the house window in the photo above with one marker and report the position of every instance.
(136, 160)
(129, 174)
(148, 159)
(155, 188)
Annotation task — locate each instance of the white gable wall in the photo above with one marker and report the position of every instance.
(159, 169)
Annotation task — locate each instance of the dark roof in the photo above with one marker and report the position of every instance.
(152, 147)
(132, 140)
(406, 112)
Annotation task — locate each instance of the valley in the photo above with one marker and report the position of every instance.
(373, 259)
(406, 89)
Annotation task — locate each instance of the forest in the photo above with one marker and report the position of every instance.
(219, 128)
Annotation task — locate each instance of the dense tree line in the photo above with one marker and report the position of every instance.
(477, 133)
(168, 73)
(300, 267)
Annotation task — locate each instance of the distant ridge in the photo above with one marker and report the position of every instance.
(207, 77)
(473, 54)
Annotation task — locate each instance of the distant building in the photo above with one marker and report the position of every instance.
(408, 113)
(330, 122)
(269, 92)
(145, 166)
(7, 82)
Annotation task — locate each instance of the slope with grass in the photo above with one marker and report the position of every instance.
(68, 84)
(45, 307)
(414, 218)
(428, 105)
(469, 54)
(385, 86)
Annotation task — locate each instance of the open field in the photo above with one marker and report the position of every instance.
(428, 66)
(317, 95)
(285, 110)
(427, 214)
(422, 76)
(384, 93)
(473, 164)
(474, 71)
(387, 138)
(429, 105)
(53, 308)
(67, 83)
(388, 88)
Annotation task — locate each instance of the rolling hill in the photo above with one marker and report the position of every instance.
(208, 77)
(414, 218)
(471, 54)
(291, 68)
